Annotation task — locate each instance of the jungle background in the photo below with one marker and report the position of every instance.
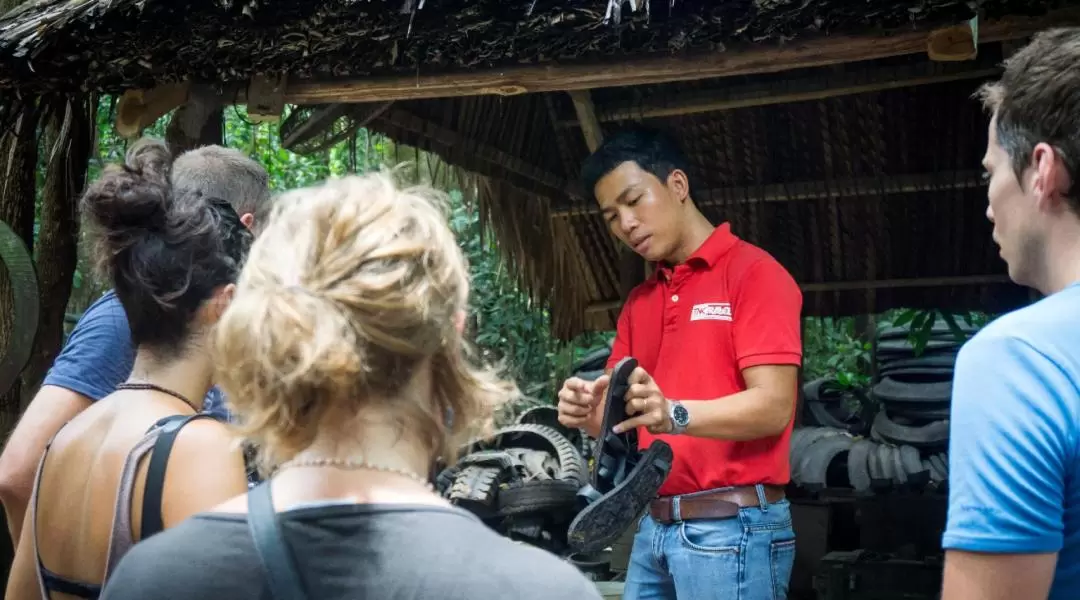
(505, 324)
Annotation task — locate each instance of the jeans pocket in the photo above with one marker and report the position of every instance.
(781, 559)
(713, 536)
(639, 521)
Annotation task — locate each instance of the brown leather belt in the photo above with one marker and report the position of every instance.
(721, 504)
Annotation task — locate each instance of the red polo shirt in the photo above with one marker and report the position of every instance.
(694, 327)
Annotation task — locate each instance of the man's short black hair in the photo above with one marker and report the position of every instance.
(652, 150)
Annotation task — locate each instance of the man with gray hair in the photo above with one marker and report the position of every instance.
(228, 174)
(99, 354)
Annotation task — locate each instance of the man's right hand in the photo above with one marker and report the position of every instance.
(579, 401)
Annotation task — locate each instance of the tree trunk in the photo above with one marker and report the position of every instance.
(18, 162)
(68, 140)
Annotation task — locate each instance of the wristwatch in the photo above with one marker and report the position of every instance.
(680, 417)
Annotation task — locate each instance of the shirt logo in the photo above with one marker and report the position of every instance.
(711, 311)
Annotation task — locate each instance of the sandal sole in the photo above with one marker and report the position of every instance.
(600, 523)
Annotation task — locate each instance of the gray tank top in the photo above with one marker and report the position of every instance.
(121, 539)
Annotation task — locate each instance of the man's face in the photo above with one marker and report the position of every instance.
(1014, 213)
(642, 211)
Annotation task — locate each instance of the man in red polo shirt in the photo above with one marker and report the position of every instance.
(716, 334)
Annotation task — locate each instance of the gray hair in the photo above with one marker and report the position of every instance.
(226, 173)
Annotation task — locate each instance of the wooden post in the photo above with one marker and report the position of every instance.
(590, 125)
(198, 122)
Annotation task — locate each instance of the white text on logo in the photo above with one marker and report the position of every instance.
(713, 311)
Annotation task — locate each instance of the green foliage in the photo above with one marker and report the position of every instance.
(921, 324)
(832, 348)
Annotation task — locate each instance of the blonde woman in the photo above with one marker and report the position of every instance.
(342, 354)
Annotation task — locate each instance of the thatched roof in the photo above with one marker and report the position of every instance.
(869, 195)
(121, 44)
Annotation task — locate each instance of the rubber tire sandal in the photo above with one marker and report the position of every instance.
(614, 451)
(603, 521)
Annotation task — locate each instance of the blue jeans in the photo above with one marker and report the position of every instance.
(746, 557)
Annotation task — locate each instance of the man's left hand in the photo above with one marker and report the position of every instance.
(645, 400)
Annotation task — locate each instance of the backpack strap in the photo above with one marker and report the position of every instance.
(277, 561)
(154, 492)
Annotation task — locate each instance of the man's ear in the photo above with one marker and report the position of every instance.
(247, 219)
(679, 184)
(459, 321)
(1051, 180)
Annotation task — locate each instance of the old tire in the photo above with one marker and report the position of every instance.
(19, 265)
(814, 465)
(543, 495)
(475, 489)
(858, 465)
(539, 437)
(934, 434)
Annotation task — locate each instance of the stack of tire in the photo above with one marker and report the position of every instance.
(904, 443)
(833, 419)
(523, 480)
(828, 457)
(914, 392)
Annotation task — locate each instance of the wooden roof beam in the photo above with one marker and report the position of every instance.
(586, 117)
(139, 109)
(802, 89)
(869, 284)
(814, 190)
(742, 59)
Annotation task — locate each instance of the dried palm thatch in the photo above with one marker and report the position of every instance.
(112, 45)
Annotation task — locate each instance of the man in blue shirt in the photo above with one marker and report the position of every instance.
(99, 354)
(1013, 527)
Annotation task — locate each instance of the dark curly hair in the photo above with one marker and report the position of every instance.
(165, 252)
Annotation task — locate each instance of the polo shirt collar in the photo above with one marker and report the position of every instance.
(709, 253)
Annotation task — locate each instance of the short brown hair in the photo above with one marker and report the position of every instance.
(1037, 100)
(226, 173)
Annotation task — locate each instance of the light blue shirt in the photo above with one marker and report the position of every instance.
(1013, 465)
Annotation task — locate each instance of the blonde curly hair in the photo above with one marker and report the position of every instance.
(353, 286)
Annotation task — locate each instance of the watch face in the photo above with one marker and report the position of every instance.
(680, 415)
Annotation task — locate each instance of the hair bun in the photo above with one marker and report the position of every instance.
(132, 200)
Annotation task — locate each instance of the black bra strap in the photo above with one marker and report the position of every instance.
(154, 491)
(277, 561)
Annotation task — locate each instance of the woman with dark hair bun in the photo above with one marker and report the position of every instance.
(173, 259)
